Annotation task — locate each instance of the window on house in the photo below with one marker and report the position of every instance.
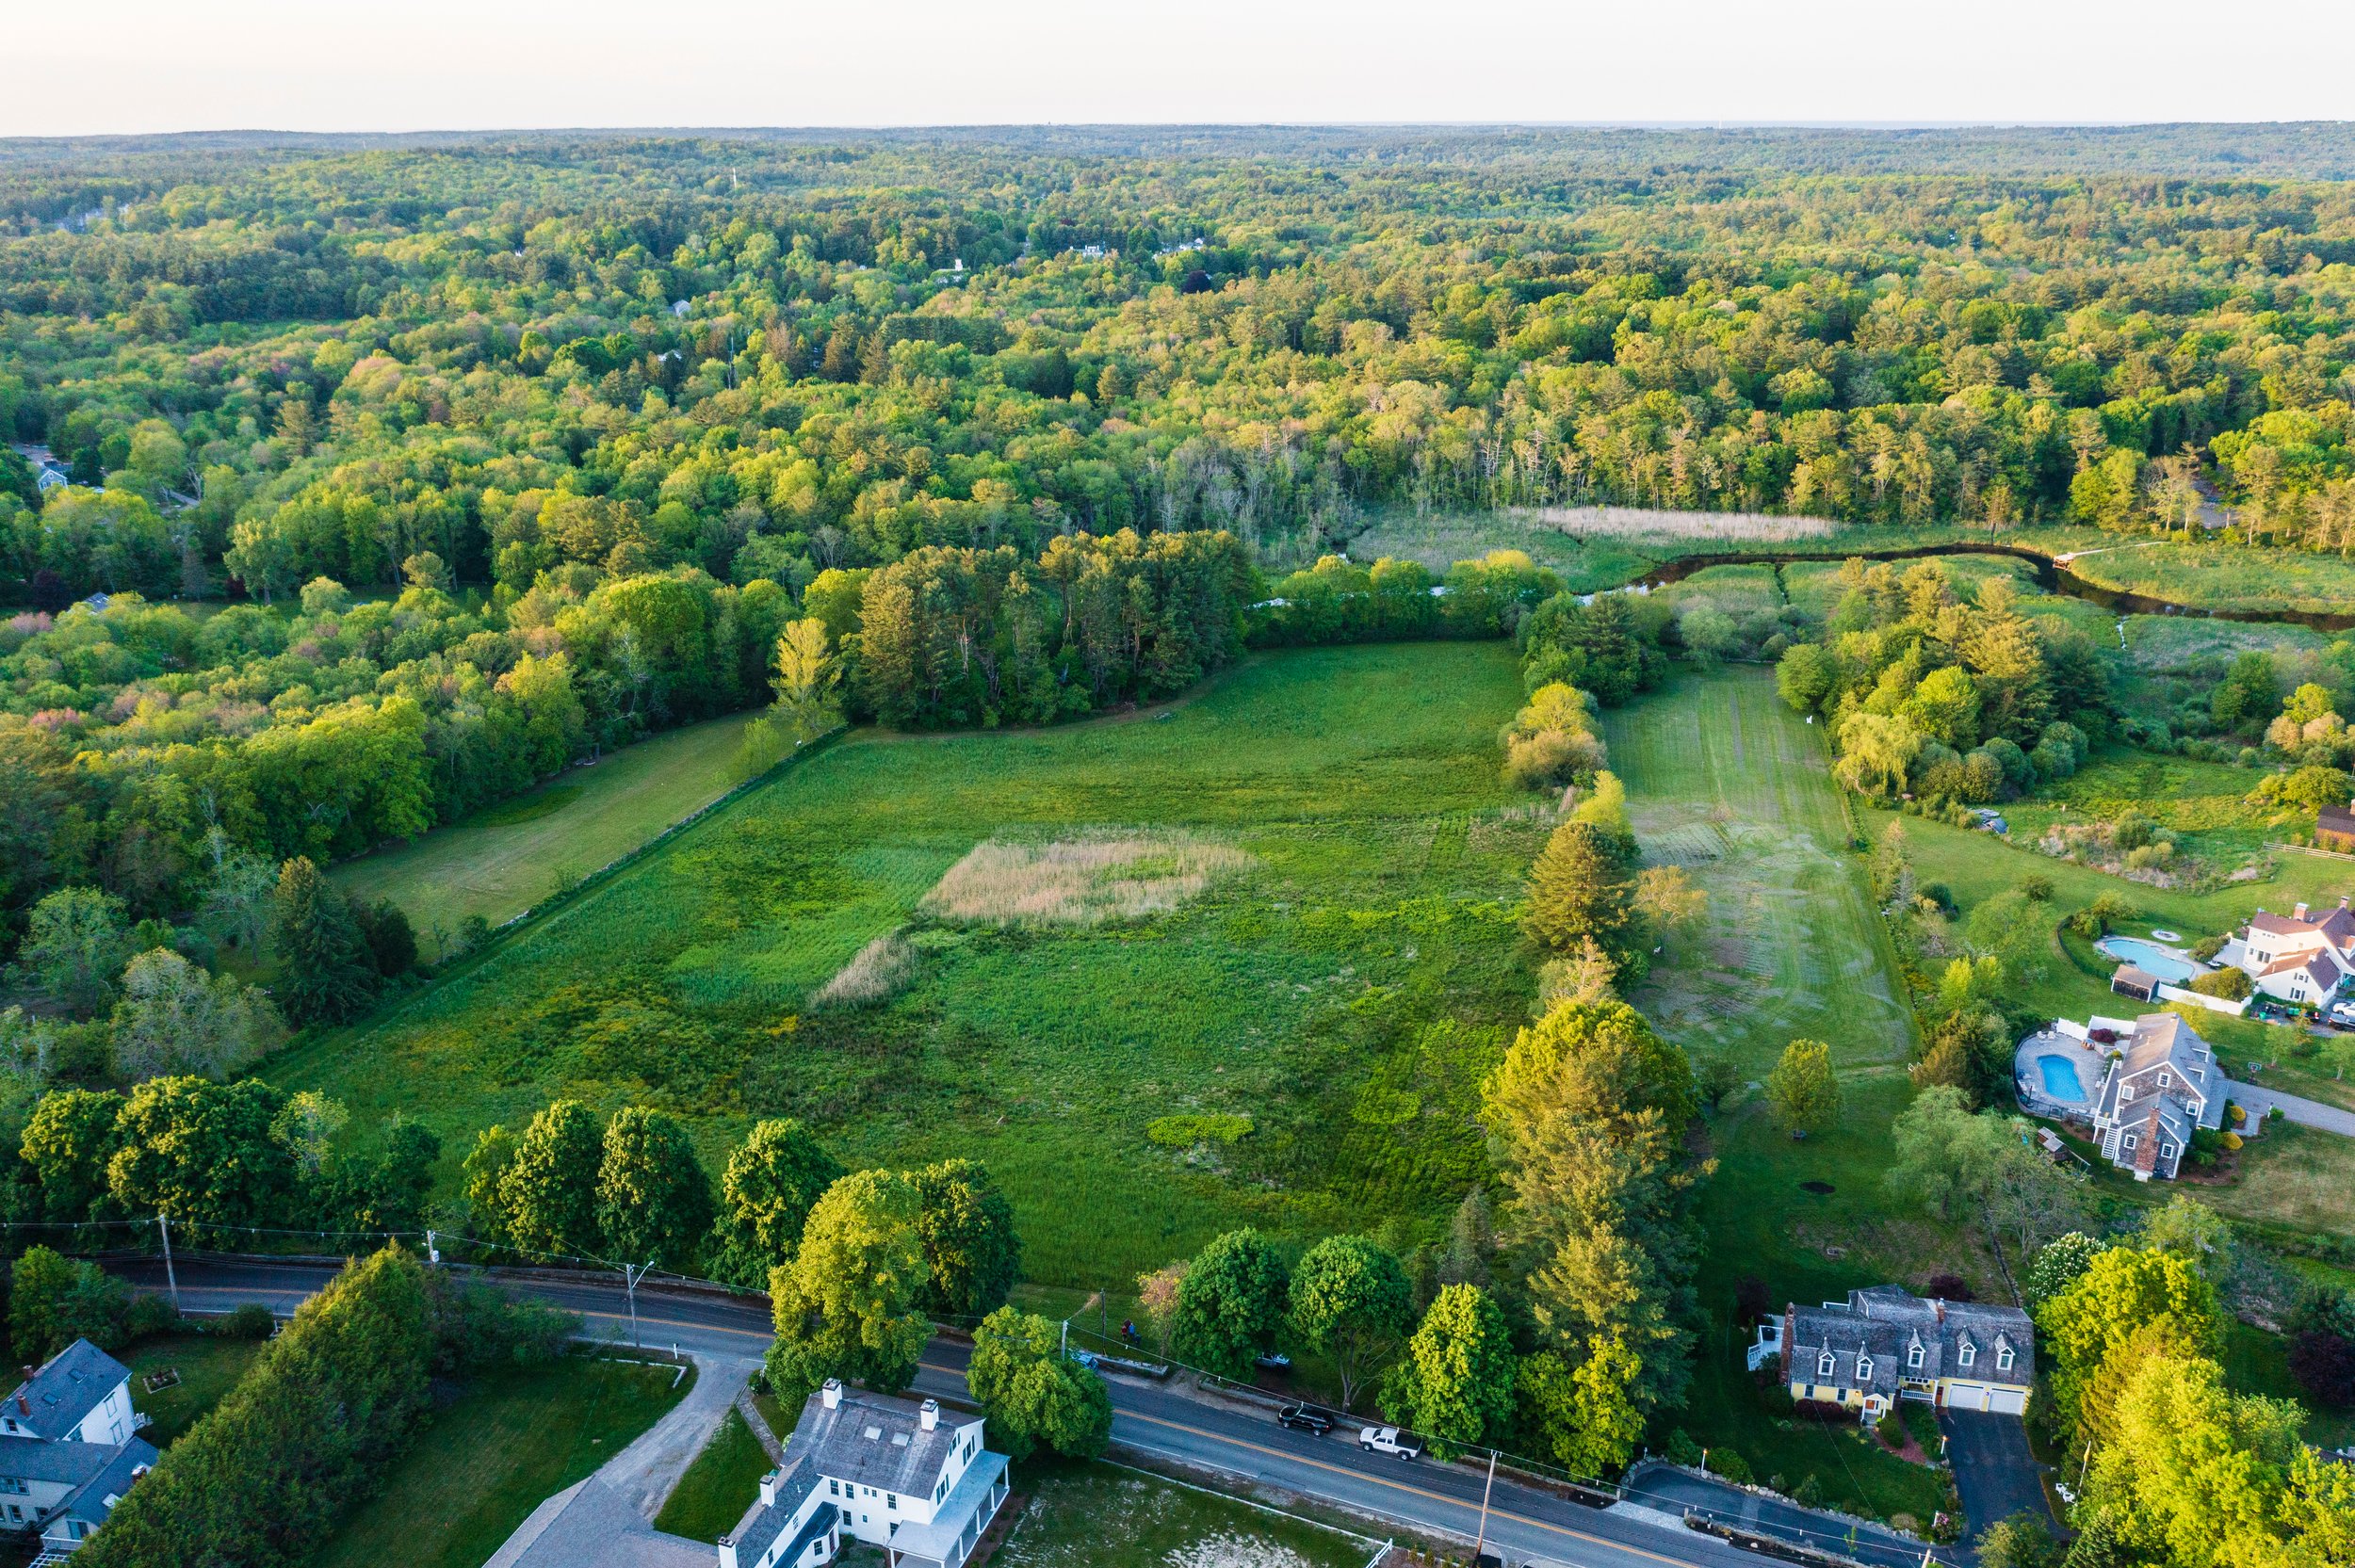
(2165, 1081)
(1913, 1356)
(834, 1488)
(2167, 1151)
(1970, 1353)
(2004, 1359)
(1865, 1368)
(2130, 1141)
(1824, 1365)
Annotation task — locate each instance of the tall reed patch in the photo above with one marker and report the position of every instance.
(1083, 881)
(875, 972)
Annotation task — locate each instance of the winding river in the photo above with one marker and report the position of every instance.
(2051, 575)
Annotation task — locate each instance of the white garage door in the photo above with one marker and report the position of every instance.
(1966, 1396)
(2007, 1402)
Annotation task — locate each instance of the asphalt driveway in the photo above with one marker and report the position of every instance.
(1994, 1471)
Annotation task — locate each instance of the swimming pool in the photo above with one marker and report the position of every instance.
(2060, 1079)
(2150, 958)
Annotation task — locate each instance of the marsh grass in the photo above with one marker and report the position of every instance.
(1081, 880)
(1649, 526)
(875, 972)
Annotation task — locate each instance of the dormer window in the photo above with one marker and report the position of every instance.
(1824, 1365)
(1913, 1355)
(2003, 1358)
(1863, 1368)
(1968, 1355)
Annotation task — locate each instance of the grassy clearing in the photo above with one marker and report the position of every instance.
(507, 858)
(1096, 1515)
(1347, 991)
(484, 1462)
(1726, 781)
(209, 1365)
(2225, 577)
(721, 1483)
(1740, 591)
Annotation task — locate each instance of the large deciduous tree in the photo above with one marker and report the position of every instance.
(1351, 1302)
(201, 1153)
(970, 1250)
(847, 1306)
(773, 1179)
(1031, 1394)
(547, 1194)
(653, 1201)
(1229, 1303)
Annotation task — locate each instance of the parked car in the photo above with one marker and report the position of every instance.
(1389, 1440)
(1306, 1419)
(1272, 1362)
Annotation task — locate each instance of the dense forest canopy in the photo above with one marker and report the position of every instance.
(511, 447)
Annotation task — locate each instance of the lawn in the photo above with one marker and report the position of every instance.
(719, 1485)
(1098, 1515)
(208, 1366)
(1346, 990)
(508, 857)
(1725, 780)
(510, 1440)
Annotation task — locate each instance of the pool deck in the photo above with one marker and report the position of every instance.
(2028, 1078)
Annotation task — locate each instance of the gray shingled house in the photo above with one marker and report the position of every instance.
(1886, 1344)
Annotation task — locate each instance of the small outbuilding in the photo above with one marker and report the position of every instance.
(2140, 984)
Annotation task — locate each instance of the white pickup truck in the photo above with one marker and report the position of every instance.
(1389, 1440)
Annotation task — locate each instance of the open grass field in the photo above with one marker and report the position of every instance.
(508, 857)
(208, 1366)
(1725, 780)
(1345, 986)
(484, 1462)
(1098, 1515)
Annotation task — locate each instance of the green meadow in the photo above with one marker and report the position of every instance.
(509, 857)
(1343, 992)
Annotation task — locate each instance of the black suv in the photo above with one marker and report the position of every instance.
(1304, 1419)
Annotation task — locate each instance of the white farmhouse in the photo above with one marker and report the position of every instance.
(2299, 958)
(888, 1471)
(70, 1447)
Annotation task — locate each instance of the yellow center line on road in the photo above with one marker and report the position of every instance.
(1412, 1491)
(644, 1322)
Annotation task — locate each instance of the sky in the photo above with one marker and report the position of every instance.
(140, 66)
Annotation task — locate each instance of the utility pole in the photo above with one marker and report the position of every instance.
(630, 1276)
(1481, 1545)
(172, 1280)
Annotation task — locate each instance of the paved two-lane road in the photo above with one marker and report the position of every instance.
(1525, 1524)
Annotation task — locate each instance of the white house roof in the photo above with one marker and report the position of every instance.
(875, 1440)
(68, 1386)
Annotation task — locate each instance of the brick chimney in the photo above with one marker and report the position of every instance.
(832, 1392)
(928, 1414)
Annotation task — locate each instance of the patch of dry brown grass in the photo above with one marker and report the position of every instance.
(1643, 523)
(877, 970)
(1078, 882)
